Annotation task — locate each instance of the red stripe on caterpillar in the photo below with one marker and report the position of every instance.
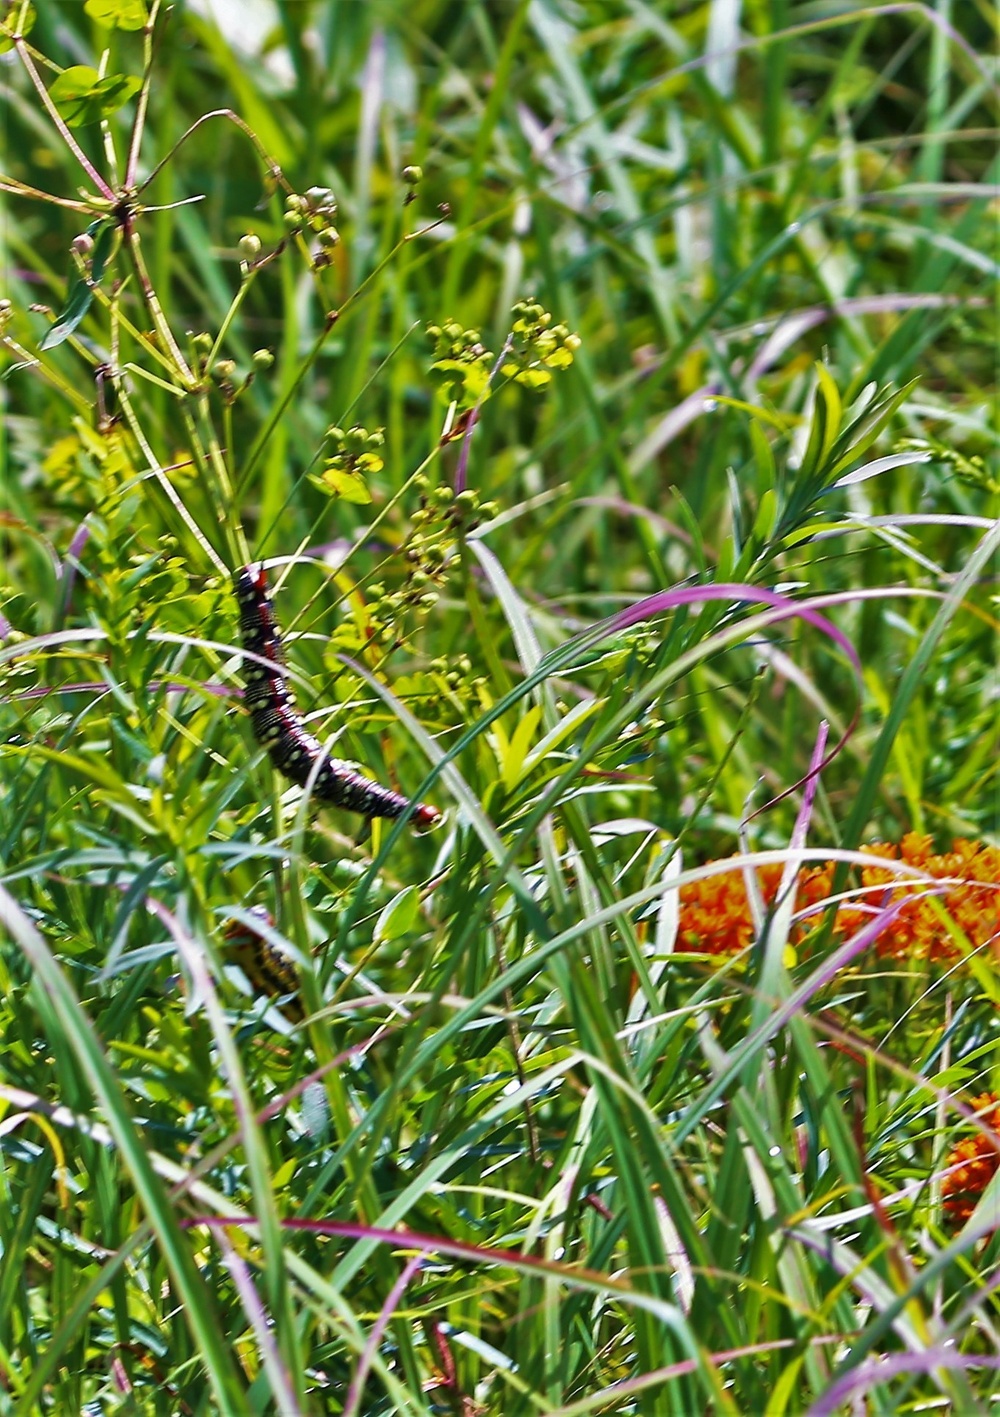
(277, 723)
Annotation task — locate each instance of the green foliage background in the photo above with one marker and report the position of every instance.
(648, 1182)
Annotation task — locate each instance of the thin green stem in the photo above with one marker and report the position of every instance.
(138, 127)
(143, 340)
(49, 373)
(161, 477)
(134, 248)
(215, 477)
(24, 189)
(241, 294)
(64, 132)
(107, 139)
(244, 128)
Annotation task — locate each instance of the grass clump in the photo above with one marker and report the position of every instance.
(608, 393)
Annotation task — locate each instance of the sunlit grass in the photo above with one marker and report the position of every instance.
(716, 596)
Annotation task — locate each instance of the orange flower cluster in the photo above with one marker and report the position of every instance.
(976, 1158)
(715, 912)
(921, 929)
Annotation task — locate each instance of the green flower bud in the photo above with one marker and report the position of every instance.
(319, 197)
(249, 246)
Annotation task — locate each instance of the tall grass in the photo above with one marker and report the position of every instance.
(716, 584)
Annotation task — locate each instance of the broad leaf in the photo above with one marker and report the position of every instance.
(351, 486)
(81, 97)
(399, 915)
(118, 14)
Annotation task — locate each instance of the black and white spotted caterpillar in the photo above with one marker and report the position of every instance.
(278, 725)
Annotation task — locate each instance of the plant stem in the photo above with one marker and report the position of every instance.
(134, 248)
(55, 116)
(132, 165)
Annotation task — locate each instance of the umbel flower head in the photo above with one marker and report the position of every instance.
(715, 915)
(975, 1160)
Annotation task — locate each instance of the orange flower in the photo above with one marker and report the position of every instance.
(715, 914)
(920, 929)
(976, 1159)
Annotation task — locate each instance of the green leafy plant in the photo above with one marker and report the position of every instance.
(475, 1126)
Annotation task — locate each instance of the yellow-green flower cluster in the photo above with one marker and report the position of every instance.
(539, 348)
(315, 211)
(536, 350)
(353, 459)
(461, 366)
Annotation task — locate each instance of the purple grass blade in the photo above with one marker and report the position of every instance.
(374, 1338)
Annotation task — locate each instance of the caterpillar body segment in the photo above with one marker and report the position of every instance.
(278, 726)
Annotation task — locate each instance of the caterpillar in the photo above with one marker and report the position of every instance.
(278, 726)
(270, 971)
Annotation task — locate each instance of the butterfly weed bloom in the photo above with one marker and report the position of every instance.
(925, 927)
(716, 917)
(972, 1163)
(715, 914)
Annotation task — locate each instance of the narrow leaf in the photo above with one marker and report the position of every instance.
(80, 291)
(872, 469)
